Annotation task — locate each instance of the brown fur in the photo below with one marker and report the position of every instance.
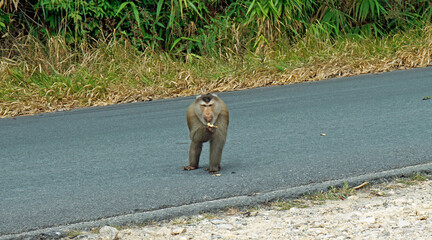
(200, 132)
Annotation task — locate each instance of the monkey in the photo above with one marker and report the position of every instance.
(207, 119)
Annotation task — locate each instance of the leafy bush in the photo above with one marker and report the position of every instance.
(194, 28)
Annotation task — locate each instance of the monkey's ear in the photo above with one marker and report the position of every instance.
(198, 96)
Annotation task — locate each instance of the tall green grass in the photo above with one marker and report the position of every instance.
(64, 54)
(196, 28)
(115, 72)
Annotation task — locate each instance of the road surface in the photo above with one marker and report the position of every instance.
(96, 164)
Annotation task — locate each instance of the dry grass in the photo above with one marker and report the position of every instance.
(53, 76)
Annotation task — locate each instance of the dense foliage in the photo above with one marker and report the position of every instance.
(63, 54)
(207, 27)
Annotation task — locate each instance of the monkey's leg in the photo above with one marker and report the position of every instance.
(194, 155)
(216, 147)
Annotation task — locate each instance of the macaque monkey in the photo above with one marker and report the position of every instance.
(207, 118)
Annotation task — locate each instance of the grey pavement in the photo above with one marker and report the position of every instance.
(119, 162)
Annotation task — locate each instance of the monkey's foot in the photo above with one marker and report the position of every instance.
(188, 168)
(212, 172)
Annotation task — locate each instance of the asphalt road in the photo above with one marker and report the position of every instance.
(91, 164)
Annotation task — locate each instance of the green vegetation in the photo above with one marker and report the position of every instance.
(342, 193)
(334, 193)
(287, 205)
(63, 54)
(413, 179)
(319, 197)
(73, 234)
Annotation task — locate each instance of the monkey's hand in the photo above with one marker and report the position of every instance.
(211, 127)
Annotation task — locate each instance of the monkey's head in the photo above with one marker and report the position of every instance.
(207, 108)
(206, 97)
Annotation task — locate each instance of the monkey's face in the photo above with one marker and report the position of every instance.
(207, 110)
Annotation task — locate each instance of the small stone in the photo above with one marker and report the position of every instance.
(215, 236)
(226, 226)
(379, 193)
(294, 210)
(400, 201)
(277, 227)
(368, 220)
(402, 223)
(218, 221)
(177, 231)
(317, 225)
(127, 232)
(164, 231)
(108, 233)
(353, 198)
(186, 238)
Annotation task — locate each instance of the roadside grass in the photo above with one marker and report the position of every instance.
(316, 198)
(342, 193)
(53, 76)
(334, 193)
(74, 234)
(287, 205)
(413, 179)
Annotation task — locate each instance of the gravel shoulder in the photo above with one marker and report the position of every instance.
(401, 209)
